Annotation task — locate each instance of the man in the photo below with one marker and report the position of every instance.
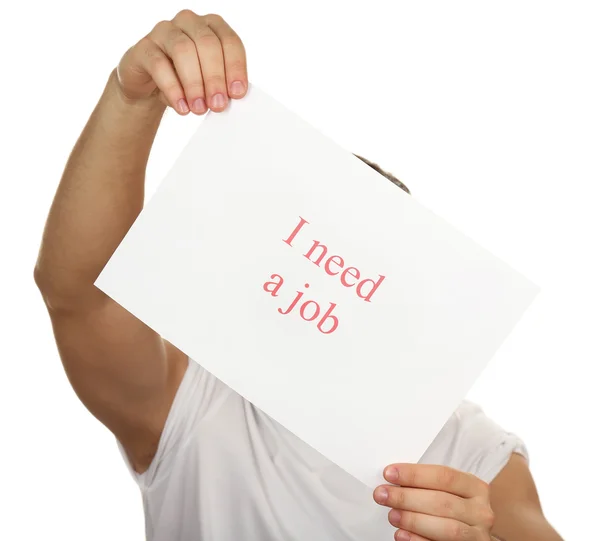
(210, 465)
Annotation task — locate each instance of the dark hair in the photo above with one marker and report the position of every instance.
(387, 175)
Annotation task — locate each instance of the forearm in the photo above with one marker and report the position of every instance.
(100, 194)
(524, 524)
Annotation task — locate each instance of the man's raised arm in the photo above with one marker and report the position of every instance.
(124, 372)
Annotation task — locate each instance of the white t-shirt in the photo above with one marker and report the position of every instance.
(225, 471)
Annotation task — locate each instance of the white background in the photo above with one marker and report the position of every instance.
(488, 111)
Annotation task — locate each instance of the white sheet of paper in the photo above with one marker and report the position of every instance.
(379, 387)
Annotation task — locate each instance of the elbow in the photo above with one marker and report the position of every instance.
(39, 277)
(57, 296)
(43, 282)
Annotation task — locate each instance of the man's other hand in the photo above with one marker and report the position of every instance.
(436, 503)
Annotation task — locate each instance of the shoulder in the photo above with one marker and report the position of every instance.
(471, 441)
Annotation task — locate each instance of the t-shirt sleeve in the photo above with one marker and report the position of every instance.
(472, 442)
(199, 392)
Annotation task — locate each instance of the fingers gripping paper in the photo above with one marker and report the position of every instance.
(315, 287)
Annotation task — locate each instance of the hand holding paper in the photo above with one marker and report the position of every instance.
(432, 500)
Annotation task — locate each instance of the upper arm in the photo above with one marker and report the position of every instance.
(516, 505)
(123, 372)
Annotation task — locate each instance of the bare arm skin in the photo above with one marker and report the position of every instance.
(125, 373)
(516, 505)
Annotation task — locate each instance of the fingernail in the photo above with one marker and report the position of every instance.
(218, 101)
(394, 517)
(182, 106)
(237, 88)
(381, 494)
(199, 106)
(391, 474)
(401, 535)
